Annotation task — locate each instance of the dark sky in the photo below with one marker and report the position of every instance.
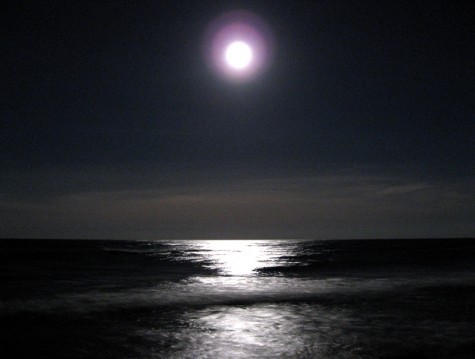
(114, 126)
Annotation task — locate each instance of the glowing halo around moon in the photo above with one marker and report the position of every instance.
(238, 46)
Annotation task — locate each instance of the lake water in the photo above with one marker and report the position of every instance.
(237, 299)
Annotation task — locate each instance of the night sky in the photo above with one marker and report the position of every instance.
(114, 124)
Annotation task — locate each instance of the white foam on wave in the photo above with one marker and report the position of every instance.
(212, 290)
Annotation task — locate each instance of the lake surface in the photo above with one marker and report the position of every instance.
(237, 299)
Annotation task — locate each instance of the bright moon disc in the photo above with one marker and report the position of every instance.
(238, 46)
(238, 55)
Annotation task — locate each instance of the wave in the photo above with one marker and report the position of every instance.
(206, 291)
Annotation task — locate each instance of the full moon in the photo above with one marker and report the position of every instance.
(238, 46)
(238, 55)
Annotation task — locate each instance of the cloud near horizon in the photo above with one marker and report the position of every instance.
(326, 206)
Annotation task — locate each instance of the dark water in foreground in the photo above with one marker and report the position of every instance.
(237, 299)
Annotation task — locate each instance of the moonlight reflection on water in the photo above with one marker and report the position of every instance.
(259, 331)
(240, 257)
(241, 299)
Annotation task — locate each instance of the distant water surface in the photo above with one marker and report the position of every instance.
(237, 299)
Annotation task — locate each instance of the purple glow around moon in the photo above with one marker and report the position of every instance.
(239, 27)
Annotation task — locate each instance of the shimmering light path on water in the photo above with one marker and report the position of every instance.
(238, 257)
(239, 299)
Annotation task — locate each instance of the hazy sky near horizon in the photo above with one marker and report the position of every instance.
(114, 125)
